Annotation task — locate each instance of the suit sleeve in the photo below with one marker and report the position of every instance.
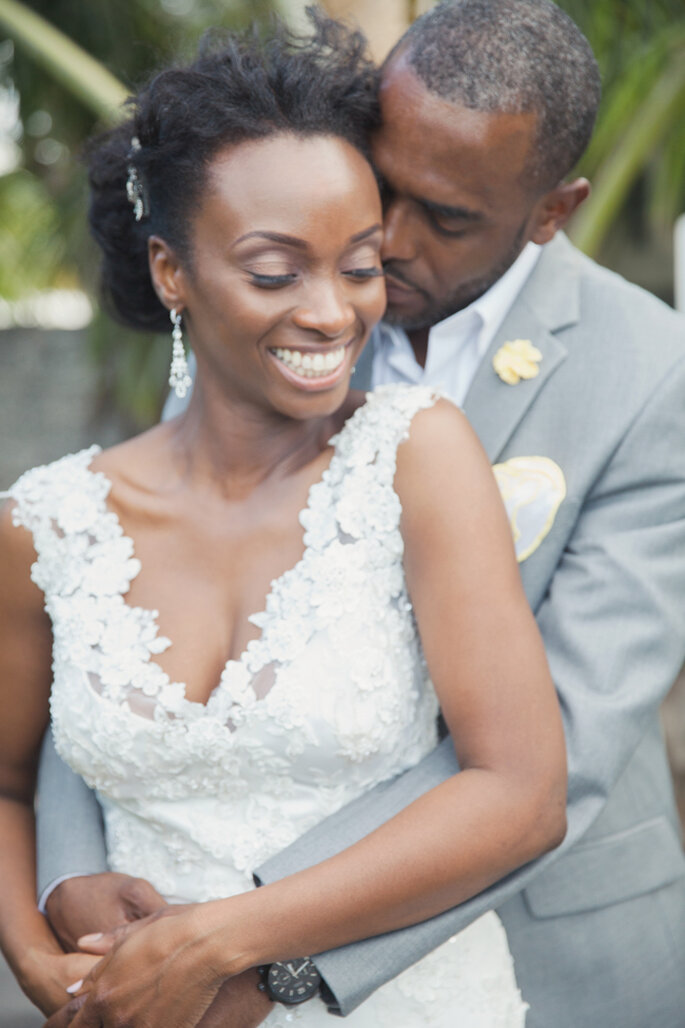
(614, 632)
(69, 833)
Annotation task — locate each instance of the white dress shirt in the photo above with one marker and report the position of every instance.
(456, 345)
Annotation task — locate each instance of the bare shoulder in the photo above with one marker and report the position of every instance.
(442, 453)
(449, 496)
(441, 420)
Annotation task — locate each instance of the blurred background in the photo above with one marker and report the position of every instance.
(70, 377)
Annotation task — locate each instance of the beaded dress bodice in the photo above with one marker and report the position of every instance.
(332, 698)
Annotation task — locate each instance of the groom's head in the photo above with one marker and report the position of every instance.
(487, 106)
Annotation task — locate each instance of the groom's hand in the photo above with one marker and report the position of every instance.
(239, 1003)
(98, 903)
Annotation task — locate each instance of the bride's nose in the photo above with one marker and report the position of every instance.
(326, 310)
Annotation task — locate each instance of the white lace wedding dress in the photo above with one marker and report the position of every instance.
(332, 698)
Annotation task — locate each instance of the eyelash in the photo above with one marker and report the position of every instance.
(364, 273)
(275, 281)
(272, 281)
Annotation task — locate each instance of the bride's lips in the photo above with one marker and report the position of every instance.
(312, 368)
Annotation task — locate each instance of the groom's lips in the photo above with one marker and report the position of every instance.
(398, 290)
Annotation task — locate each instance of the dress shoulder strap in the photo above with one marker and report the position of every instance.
(356, 498)
(376, 429)
(60, 499)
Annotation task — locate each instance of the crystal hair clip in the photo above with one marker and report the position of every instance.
(135, 191)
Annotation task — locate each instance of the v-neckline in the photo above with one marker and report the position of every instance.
(276, 583)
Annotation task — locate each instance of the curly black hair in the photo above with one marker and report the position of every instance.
(241, 86)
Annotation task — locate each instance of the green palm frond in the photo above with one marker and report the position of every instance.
(70, 65)
(631, 137)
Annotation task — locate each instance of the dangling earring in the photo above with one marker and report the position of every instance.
(179, 379)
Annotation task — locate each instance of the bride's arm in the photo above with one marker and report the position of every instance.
(32, 951)
(488, 665)
(506, 807)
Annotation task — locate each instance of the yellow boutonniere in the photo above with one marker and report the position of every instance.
(516, 360)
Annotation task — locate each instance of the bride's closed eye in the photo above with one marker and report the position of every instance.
(263, 281)
(364, 273)
(363, 262)
(272, 281)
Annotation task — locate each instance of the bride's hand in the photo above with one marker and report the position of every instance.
(46, 975)
(239, 1003)
(158, 973)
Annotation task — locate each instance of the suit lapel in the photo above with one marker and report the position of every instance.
(548, 302)
(495, 408)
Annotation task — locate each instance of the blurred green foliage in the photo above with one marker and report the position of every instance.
(636, 159)
(44, 242)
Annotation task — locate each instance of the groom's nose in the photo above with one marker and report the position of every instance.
(399, 231)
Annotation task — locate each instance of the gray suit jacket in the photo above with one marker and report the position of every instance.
(597, 928)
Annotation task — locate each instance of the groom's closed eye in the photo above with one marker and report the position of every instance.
(450, 221)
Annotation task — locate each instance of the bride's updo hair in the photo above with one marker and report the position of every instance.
(240, 87)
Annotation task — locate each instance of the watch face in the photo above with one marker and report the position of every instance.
(293, 981)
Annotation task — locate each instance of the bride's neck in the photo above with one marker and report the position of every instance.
(237, 445)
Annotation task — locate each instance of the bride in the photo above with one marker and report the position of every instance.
(239, 202)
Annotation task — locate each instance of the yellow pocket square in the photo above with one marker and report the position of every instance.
(532, 489)
(516, 360)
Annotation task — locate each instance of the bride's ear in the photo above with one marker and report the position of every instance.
(166, 272)
(556, 207)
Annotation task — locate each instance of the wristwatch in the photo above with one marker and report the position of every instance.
(290, 981)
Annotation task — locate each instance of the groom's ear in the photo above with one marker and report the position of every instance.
(555, 208)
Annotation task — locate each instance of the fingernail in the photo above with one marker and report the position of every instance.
(86, 940)
(71, 989)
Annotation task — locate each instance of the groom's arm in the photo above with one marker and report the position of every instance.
(69, 834)
(75, 889)
(614, 633)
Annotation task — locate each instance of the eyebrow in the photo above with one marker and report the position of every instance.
(444, 211)
(301, 244)
(360, 236)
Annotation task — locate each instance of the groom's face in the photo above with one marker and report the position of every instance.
(459, 206)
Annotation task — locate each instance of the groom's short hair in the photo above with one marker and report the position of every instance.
(512, 56)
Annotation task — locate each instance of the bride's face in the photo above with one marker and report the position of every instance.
(284, 281)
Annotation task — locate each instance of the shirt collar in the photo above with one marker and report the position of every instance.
(493, 306)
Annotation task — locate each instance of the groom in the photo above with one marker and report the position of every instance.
(575, 382)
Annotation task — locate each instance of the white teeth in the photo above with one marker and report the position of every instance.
(311, 365)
